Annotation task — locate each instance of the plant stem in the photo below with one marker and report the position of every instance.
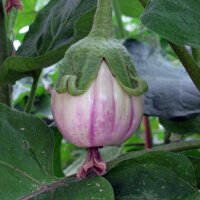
(5, 96)
(4, 88)
(186, 59)
(102, 25)
(167, 136)
(118, 15)
(180, 146)
(147, 133)
(3, 35)
(188, 62)
(173, 147)
(31, 97)
(196, 55)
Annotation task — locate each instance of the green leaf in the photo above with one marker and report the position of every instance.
(154, 175)
(51, 30)
(26, 163)
(57, 160)
(91, 188)
(149, 182)
(26, 153)
(131, 8)
(27, 16)
(177, 21)
(57, 26)
(182, 126)
(165, 159)
(194, 157)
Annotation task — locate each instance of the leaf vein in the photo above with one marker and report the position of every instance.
(21, 172)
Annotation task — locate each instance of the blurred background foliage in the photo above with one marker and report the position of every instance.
(71, 156)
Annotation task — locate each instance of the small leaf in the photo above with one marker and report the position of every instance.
(177, 21)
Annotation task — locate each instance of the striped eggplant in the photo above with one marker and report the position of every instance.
(97, 100)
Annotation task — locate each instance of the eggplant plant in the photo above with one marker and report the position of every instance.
(97, 100)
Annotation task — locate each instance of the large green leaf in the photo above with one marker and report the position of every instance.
(57, 26)
(91, 188)
(26, 153)
(152, 176)
(26, 163)
(177, 21)
(54, 26)
(131, 8)
(150, 182)
(164, 159)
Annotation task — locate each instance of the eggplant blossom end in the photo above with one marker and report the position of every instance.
(93, 164)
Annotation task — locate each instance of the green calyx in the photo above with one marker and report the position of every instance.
(82, 61)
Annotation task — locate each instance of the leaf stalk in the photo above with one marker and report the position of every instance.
(31, 97)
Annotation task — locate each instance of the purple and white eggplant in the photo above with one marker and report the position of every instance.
(97, 100)
(104, 115)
